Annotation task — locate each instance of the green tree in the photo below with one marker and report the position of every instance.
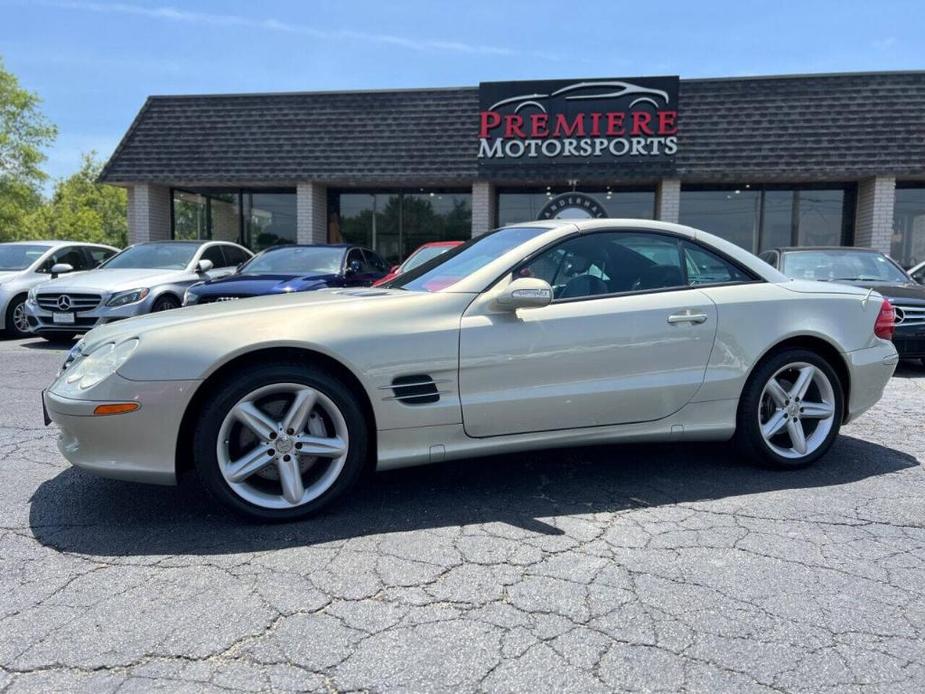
(24, 132)
(82, 209)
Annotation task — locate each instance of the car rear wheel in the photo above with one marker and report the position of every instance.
(280, 442)
(791, 410)
(17, 324)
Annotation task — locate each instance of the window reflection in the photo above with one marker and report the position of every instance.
(525, 205)
(908, 247)
(258, 219)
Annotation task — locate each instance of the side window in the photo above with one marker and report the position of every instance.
(608, 263)
(705, 267)
(214, 253)
(98, 255)
(234, 255)
(355, 254)
(70, 255)
(376, 264)
(770, 257)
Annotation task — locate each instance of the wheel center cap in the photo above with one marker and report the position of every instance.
(284, 444)
(793, 409)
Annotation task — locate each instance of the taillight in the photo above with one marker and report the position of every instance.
(886, 321)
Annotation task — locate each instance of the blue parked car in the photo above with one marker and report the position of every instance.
(285, 269)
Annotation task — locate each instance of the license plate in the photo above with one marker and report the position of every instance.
(65, 318)
(45, 416)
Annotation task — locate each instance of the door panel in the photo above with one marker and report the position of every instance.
(598, 361)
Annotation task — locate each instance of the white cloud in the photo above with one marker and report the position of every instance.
(271, 24)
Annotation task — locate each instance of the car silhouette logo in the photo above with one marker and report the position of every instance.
(64, 303)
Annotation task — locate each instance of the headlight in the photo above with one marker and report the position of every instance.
(33, 293)
(132, 296)
(100, 363)
(187, 296)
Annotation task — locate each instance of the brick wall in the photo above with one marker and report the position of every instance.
(668, 200)
(148, 213)
(874, 220)
(311, 213)
(483, 208)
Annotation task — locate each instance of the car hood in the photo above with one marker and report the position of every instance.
(263, 284)
(114, 280)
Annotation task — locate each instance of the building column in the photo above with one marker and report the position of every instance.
(873, 225)
(484, 214)
(311, 213)
(668, 200)
(148, 213)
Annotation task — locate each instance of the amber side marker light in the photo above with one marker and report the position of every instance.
(116, 408)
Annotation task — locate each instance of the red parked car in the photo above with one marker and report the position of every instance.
(419, 257)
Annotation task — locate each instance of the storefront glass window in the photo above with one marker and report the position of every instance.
(515, 206)
(270, 218)
(757, 218)
(908, 247)
(395, 224)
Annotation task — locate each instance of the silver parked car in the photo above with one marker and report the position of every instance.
(539, 335)
(26, 264)
(144, 278)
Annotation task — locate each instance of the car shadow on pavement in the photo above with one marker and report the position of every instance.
(46, 346)
(78, 512)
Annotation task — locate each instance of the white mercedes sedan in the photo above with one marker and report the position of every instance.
(545, 334)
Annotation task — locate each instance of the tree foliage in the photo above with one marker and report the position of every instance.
(24, 132)
(81, 209)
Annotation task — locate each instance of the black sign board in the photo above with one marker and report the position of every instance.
(633, 120)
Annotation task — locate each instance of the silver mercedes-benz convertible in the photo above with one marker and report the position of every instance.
(538, 335)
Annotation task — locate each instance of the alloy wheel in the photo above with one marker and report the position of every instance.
(20, 321)
(282, 445)
(796, 410)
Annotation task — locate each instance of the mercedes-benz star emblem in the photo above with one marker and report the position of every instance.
(64, 303)
(898, 315)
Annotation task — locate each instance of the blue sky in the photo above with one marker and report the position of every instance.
(94, 62)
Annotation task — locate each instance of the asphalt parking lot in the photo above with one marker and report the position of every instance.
(668, 568)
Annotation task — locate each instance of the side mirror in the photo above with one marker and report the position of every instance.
(204, 266)
(354, 267)
(525, 292)
(61, 269)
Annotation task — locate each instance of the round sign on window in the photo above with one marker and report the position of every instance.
(572, 206)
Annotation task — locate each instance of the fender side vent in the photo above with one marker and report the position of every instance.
(418, 389)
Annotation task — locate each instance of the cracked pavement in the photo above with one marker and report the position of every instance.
(621, 568)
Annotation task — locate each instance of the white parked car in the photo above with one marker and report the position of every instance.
(27, 264)
(144, 278)
(539, 335)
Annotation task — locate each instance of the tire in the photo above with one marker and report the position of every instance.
(15, 315)
(764, 409)
(335, 427)
(165, 303)
(59, 338)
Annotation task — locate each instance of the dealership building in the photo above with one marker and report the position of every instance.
(836, 159)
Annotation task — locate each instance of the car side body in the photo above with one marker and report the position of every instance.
(91, 298)
(906, 295)
(590, 370)
(16, 283)
(356, 267)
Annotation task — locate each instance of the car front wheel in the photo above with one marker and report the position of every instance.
(17, 324)
(791, 410)
(280, 442)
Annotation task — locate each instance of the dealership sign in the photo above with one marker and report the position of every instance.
(574, 121)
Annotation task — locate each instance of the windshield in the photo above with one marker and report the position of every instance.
(19, 256)
(422, 255)
(153, 256)
(448, 268)
(837, 265)
(295, 261)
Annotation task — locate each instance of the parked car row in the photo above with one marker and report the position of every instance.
(57, 289)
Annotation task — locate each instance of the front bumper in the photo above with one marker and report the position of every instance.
(138, 446)
(870, 370)
(43, 321)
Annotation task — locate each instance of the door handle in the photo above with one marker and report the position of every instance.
(687, 317)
